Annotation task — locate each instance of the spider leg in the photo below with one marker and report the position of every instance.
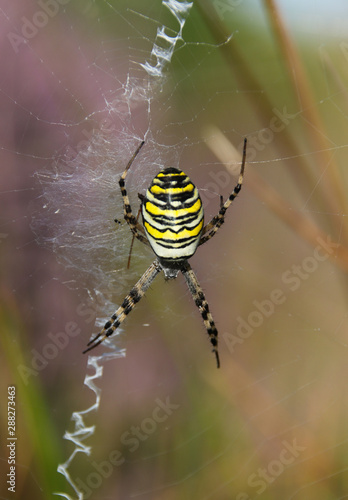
(132, 243)
(136, 228)
(216, 222)
(127, 305)
(202, 304)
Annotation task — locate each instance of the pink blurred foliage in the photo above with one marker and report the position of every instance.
(51, 90)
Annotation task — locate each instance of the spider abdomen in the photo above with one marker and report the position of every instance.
(173, 215)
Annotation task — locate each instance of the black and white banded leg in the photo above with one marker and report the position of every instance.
(136, 293)
(202, 304)
(136, 228)
(212, 227)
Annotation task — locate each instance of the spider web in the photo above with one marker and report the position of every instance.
(85, 83)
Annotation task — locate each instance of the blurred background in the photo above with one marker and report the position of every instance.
(75, 102)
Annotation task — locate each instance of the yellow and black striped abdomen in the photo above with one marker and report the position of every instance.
(173, 215)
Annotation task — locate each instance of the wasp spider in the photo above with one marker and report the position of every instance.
(173, 226)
